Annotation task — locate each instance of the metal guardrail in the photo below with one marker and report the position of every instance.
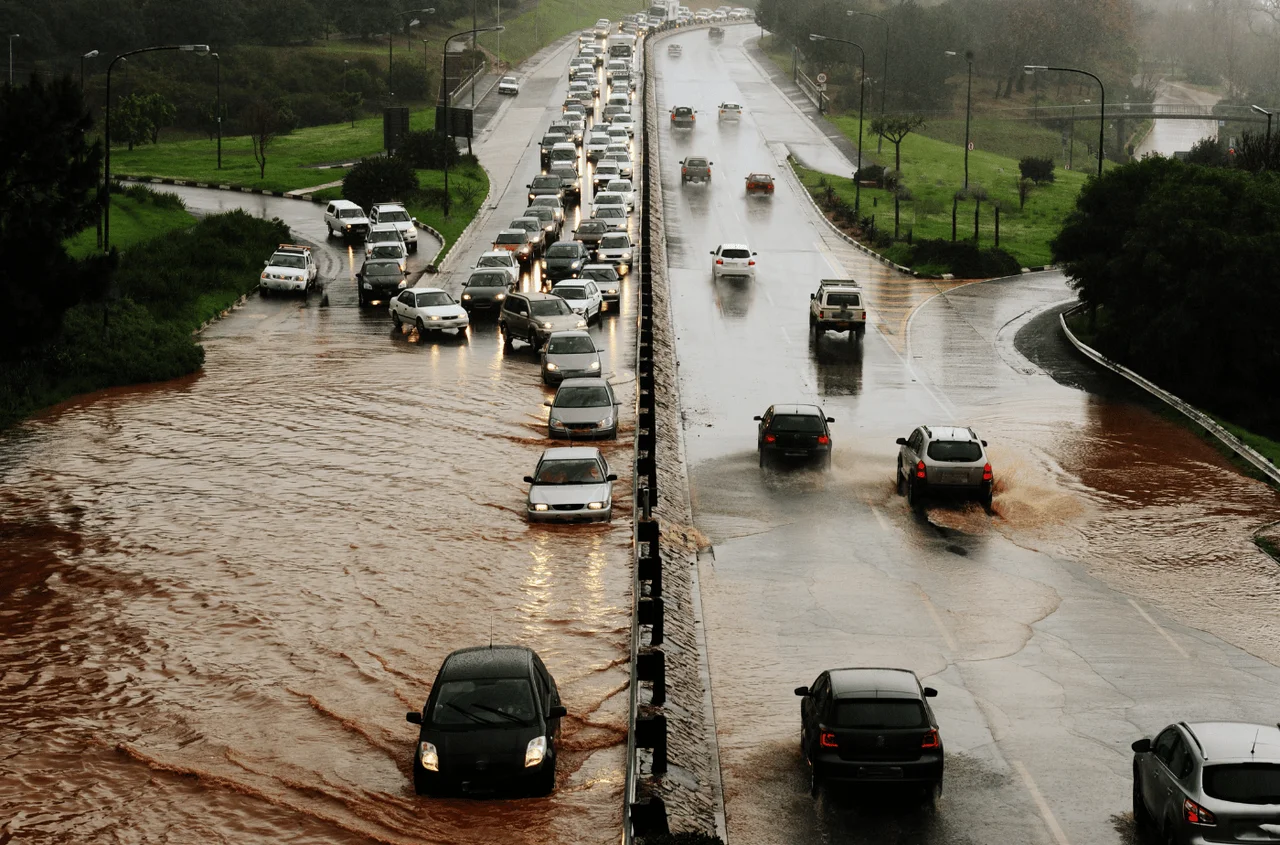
(1132, 111)
(810, 89)
(1235, 444)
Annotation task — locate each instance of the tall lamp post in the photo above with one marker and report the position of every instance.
(1268, 113)
(1102, 110)
(202, 49)
(968, 110)
(862, 96)
(11, 37)
(217, 108)
(884, 80)
(390, 34)
(92, 54)
(445, 99)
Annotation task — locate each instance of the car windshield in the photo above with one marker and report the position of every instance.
(1243, 783)
(495, 261)
(582, 397)
(880, 713)
(528, 224)
(487, 280)
(495, 701)
(550, 307)
(348, 213)
(510, 238)
(552, 140)
(393, 217)
(569, 292)
(590, 228)
(625, 117)
(615, 242)
(284, 259)
(382, 268)
(955, 451)
(562, 251)
(434, 298)
(760, 177)
(602, 274)
(383, 236)
(571, 345)
(540, 212)
(604, 198)
(510, 80)
(844, 300)
(735, 253)
(809, 423)
(682, 110)
(548, 181)
(385, 251)
(621, 186)
(611, 211)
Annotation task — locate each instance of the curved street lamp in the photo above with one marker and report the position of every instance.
(201, 49)
(884, 81)
(1102, 111)
(446, 100)
(862, 95)
(92, 54)
(390, 33)
(968, 110)
(1268, 113)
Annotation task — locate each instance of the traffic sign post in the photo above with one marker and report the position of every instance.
(822, 79)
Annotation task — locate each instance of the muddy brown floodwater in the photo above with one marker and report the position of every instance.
(221, 595)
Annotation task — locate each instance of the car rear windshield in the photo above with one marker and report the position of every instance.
(495, 261)
(510, 238)
(474, 703)
(810, 423)
(389, 251)
(393, 217)
(350, 212)
(582, 397)
(880, 713)
(844, 300)
(1243, 783)
(430, 300)
(572, 345)
(955, 451)
(562, 251)
(592, 228)
(602, 275)
(550, 307)
(570, 293)
(683, 110)
(614, 241)
(695, 162)
(735, 253)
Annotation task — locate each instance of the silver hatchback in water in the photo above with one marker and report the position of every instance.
(569, 355)
(1208, 782)
(570, 484)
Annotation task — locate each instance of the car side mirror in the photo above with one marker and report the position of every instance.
(831, 419)
(930, 692)
(1141, 746)
(557, 712)
(713, 252)
(757, 418)
(984, 443)
(359, 274)
(548, 404)
(611, 477)
(802, 691)
(813, 296)
(528, 479)
(901, 441)
(266, 263)
(413, 717)
(755, 253)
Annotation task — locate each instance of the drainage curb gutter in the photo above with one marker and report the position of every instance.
(1235, 444)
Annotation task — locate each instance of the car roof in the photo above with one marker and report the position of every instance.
(1236, 740)
(397, 206)
(384, 227)
(571, 333)
(734, 246)
(424, 290)
(495, 661)
(798, 410)
(949, 432)
(505, 253)
(855, 681)
(344, 204)
(592, 381)
(538, 296)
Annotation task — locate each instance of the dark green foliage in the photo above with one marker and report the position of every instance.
(962, 259)
(429, 150)
(872, 173)
(380, 179)
(1256, 152)
(1038, 170)
(1179, 262)
(1208, 152)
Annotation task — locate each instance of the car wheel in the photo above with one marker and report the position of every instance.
(826, 464)
(546, 781)
(413, 247)
(901, 483)
(929, 795)
(506, 336)
(914, 496)
(265, 293)
(1141, 816)
(420, 785)
(984, 499)
(329, 228)
(395, 320)
(422, 330)
(815, 781)
(360, 298)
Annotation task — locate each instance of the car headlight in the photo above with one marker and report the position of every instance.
(466, 296)
(546, 325)
(500, 297)
(543, 262)
(434, 317)
(540, 506)
(626, 256)
(536, 750)
(595, 365)
(582, 324)
(264, 276)
(575, 264)
(613, 291)
(403, 283)
(595, 506)
(555, 423)
(428, 756)
(551, 366)
(368, 286)
(606, 422)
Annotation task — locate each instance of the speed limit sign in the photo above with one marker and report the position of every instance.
(970, 146)
(822, 79)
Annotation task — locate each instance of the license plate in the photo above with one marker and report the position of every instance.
(795, 454)
(880, 772)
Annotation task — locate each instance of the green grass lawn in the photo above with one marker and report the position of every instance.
(546, 21)
(287, 159)
(133, 221)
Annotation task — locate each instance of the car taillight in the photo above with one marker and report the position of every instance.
(751, 263)
(719, 260)
(930, 740)
(919, 469)
(684, 170)
(828, 740)
(1195, 814)
(823, 440)
(986, 472)
(770, 438)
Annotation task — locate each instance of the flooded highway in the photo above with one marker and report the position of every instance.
(222, 594)
(1113, 590)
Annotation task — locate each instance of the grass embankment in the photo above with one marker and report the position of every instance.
(167, 288)
(137, 215)
(542, 23)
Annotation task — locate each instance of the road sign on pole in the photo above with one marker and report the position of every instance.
(970, 146)
(822, 79)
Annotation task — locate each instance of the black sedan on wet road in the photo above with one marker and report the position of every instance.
(491, 723)
(794, 431)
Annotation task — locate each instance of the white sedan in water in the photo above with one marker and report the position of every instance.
(508, 85)
(428, 309)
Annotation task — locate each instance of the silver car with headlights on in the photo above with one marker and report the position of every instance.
(584, 408)
(571, 484)
(569, 355)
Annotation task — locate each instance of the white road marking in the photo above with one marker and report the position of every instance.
(937, 620)
(784, 332)
(1047, 814)
(836, 268)
(768, 297)
(884, 523)
(1162, 631)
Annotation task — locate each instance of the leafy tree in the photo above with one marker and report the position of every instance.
(264, 124)
(1256, 152)
(1207, 152)
(159, 113)
(380, 179)
(351, 102)
(894, 129)
(49, 181)
(131, 121)
(1038, 170)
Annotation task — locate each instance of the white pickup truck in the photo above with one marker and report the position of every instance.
(838, 305)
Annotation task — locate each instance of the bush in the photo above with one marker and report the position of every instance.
(314, 109)
(961, 259)
(429, 150)
(1207, 152)
(1038, 170)
(375, 180)
(871, 173)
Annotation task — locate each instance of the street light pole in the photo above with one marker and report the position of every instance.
(92, 54)
(390, 38)
(218, 106)
(202, 49)
(1268, 113)
(968, 111)
(884, 80)
(1102, 109)
(446, 100)
(11, 37)
(862, 96)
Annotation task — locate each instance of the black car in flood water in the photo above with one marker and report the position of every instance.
(794, 431)
(491, 724)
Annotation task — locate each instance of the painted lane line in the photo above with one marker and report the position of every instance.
(785, 334)
(937, 621)
(1049, 820)
(1162, 631)
(884, 523)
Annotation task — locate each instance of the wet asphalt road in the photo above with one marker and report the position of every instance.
(223, 593)
(1057, 629)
